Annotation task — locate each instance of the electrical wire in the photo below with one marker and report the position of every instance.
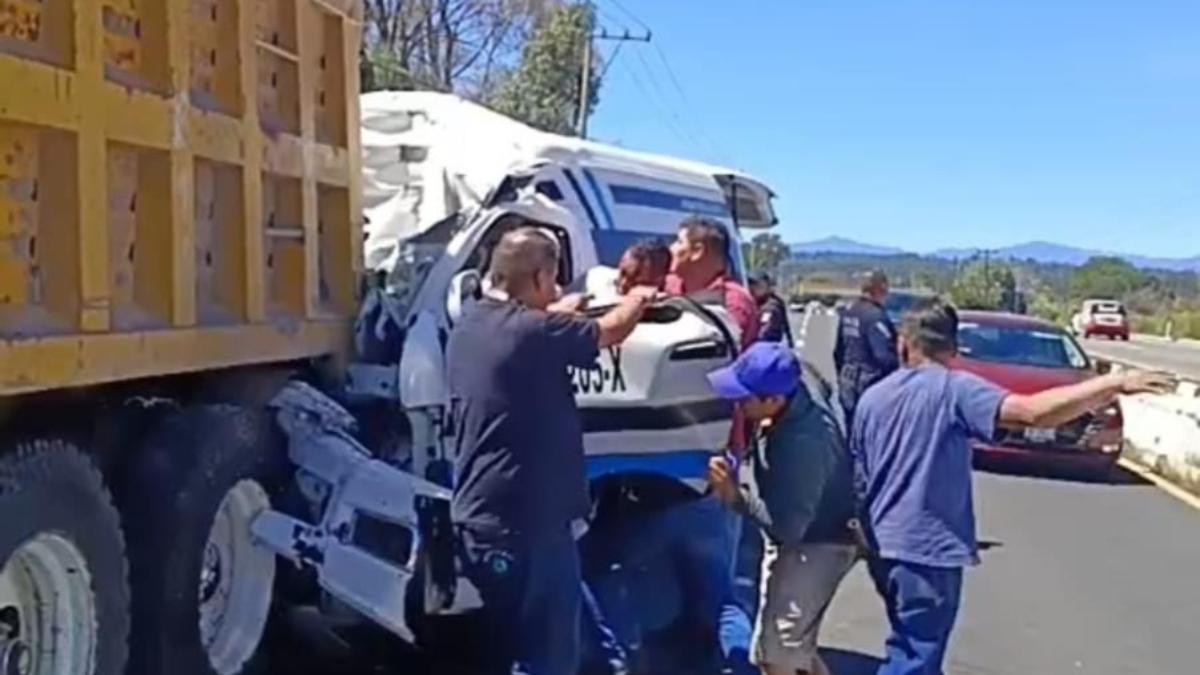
(665, 118)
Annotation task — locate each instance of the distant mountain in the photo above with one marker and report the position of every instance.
(1040, 251)
(1051, 253)
(843, 246)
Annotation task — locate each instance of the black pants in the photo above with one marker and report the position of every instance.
(531, 597)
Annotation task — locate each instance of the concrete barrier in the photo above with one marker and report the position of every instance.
(1163, 434)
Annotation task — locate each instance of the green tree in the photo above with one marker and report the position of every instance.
(765, 252)
(544, 90)
(460, 46)
(982, 285)
(1105, 277)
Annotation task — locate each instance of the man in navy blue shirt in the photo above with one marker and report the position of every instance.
(773, 317)
(519, 475)
(911, 445)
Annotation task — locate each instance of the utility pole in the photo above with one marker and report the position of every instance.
(987, 273)
(585, 77)
(585, 87)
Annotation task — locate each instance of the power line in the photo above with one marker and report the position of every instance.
(586, 72)
(659, 94)
(699, 137)
(637, 81)
(620, 7)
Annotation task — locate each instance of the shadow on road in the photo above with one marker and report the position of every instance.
(1062, 471)
(842, 662)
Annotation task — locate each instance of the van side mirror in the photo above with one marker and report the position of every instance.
(465, 288)
(1102, 366)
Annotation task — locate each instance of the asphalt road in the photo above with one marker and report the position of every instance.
(1181, 358)
(1077, 578)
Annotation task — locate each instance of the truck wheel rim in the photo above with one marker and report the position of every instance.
(48, 620)
(237, 578)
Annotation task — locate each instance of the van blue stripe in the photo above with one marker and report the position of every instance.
(591, 179)
(680, 464)
(670, 201)
(582, 200)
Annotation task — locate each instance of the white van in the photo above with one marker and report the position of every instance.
(440, 176)
(445, 180)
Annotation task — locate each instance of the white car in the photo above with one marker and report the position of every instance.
(1101, 317)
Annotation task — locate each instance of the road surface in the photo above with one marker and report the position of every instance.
(1078, 578)
(1181, 358)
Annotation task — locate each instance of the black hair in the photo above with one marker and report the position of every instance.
(873, 279)
(652, 252)
(708, 232)
(931, 327)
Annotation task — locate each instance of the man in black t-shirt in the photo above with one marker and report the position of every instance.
(519, 477)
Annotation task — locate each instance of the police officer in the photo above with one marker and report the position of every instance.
(865, 352)
(773, 318)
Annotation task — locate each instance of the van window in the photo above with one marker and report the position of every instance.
(610, 244)
(550, 189)
(480, 259)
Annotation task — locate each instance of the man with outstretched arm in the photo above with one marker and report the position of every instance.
(519, 476)
(911, 444)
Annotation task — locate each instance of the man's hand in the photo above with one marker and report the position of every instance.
(723, 482)
(1147, 382)
(571, 303)
(647, 294)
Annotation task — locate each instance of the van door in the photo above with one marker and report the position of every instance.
(647, 407)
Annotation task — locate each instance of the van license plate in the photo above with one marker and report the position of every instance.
(1039, 435)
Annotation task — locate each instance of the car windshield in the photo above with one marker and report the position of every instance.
(1108, 308)
(1023, 346)
(899, 302)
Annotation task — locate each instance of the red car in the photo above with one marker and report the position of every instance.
(1026, 355)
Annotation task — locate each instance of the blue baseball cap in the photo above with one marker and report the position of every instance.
(765, 369)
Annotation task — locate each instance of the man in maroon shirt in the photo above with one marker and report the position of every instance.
(700, 263)
(700, 267)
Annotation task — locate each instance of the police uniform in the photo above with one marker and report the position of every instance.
(773, 320)
(865, 352)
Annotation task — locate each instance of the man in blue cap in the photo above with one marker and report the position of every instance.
(804, 501)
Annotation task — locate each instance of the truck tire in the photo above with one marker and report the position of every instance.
(60, 538)
(201, 588)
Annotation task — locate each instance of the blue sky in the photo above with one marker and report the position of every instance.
(928, 123)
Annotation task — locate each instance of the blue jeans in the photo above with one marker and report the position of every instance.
(677, 568)
(709, 568)
(922, 605)
(531, 602)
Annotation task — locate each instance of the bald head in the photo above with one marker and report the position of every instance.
(524, 260)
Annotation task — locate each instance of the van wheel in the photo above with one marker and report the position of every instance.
(64, 594)
(201, 588)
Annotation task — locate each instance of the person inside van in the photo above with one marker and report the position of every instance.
(646, 263)
(700, 264)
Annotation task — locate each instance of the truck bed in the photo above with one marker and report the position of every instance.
(178, 186)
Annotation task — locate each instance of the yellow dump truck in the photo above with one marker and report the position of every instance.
(179, 213)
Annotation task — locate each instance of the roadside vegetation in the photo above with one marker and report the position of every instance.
(1159, 302)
